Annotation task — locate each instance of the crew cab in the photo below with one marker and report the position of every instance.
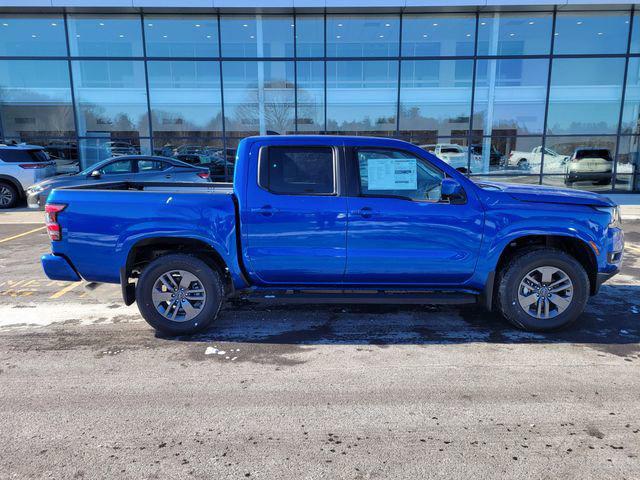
(337, 219)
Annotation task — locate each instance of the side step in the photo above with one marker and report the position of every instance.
(368, 297)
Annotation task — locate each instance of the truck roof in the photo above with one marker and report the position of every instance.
(330, 139)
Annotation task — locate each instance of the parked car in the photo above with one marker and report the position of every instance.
(120, 169)
(338, 219)
(495, 157)
(455, 155)
(590, 164)
(208, 159)
(65, 154)
(20, 167)
(553, 161)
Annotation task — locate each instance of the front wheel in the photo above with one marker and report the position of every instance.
(8, 195)
(544, 289)
(179, 294)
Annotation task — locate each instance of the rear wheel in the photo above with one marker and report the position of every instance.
(543, 289)
(523, 164)
(8, 195)
(179, 294)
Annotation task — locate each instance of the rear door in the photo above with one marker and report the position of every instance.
(152, 170)
(294, 220)
(400, 231)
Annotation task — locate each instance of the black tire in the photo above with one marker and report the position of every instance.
(10, 195)
(512, 274)
(523, 164)
(211, 282)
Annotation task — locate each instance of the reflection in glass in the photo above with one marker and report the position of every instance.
(33, 105)
(628, 161)
(310, 35)
(41, 35)
(93, 150)
(363, 35)
(362, 97)
(111, 98)
(434, 35)
(310, 80)
(202, 151)
(507, 155)
(185, 98)
(514, 33)
(585, 95)
(517, 179)
(452, 151)
(435, 99)
(258, 98)
(105, 36)
(257, 36)
(631, 112)
(510, 96)
(591, 32)
(181, 36)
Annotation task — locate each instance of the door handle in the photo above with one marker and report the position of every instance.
(364, 212)
(266, 210)
(167, 176)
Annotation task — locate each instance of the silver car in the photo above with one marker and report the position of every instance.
(130, 168)
(20, 167)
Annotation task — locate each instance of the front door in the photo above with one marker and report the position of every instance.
(400, 231)
(294, 221)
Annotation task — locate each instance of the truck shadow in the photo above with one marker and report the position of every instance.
(611, 319)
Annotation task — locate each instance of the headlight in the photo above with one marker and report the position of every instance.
(615, 220)
(34, 189)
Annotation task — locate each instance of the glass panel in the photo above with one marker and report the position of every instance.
(41, 35)
(257, 36)
(258, 98)
(309, 36)
(121, 166)
(310, 97)
(93, 150)
(105, 35)
(506, 155)
(363, 35)
(438, 35)
(185, 98)
(435, 99)
(202, 151)
(520, 179)
(510, 96)
(181, 36)
(32, 104)
(627, 174)
(298, 171)
(582, 161)
(631, 113)
(585, 95)
(111, 98)
(591, 32)
(452, 151)
(397, 173)
(362, 97)
(635, 34)
(514, 33)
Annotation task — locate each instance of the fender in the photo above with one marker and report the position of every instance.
(13, 181)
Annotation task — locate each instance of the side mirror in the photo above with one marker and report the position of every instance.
(450, 188)
(95, 174)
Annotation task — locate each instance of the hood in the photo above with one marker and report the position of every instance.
(545, 194)
(58, 181)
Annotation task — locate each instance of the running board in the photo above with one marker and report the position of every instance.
(386, 298)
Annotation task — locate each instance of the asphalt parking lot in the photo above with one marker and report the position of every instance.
(87, 390)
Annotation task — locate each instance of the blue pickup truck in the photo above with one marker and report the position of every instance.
(336, 219)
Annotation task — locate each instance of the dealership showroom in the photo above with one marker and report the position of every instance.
(519, 92)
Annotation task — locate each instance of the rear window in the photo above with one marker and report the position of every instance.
(21, 156)
(594, 153)
(298, 170)
(449, 150)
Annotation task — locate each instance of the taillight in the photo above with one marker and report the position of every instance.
(204, 175)
(51, 218)
(31, 166)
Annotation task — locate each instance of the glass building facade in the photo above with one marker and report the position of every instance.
(512, 96)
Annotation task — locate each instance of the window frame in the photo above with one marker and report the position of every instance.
(263, 156)
(358, 184)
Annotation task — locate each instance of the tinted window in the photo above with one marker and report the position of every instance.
(399, 174)
(105, 36)
(438, 35)
(151, 166)
(298, 170)
(256, 36)
(594, 153)
(121, 166)
(8, 155)
(40, 35)
(591, 32)
(514, 33)
(181, 36)
(363, 35)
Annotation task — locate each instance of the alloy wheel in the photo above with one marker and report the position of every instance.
(545, 292)
(178, 295)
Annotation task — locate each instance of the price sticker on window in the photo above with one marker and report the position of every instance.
(392, 174)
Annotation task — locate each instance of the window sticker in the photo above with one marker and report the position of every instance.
(392, 174)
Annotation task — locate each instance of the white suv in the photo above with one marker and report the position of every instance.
(20, 167)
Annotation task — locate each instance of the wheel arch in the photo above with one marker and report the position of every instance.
(14, 183)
